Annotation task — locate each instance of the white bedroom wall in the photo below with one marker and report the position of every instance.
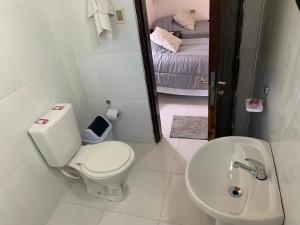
(160, 8)
(151, 11)
(170, 7)
(112, 69)
(37, 69)
(279, 69)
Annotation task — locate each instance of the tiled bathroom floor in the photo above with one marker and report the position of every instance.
(170, 105)
(157, 192)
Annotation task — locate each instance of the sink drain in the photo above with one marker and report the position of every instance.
(235, 191)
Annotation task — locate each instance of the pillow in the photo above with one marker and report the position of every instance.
(185, 20)
(165, 39)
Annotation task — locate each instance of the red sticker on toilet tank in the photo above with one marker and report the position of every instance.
(58, 107)
(41, 121)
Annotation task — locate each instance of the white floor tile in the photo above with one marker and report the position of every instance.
(160, 158)
(185, 151)
(78, 195)
(70, 214)
(179, 208)
(147, 191)
(112, 218)
(165, 223)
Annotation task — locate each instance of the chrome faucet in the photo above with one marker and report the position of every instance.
(259, 169)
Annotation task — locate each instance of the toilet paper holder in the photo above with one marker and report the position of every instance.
(111, 113)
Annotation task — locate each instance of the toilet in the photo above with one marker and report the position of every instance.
(103, 167)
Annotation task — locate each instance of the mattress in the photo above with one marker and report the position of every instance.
(201, 27)
(185, 69)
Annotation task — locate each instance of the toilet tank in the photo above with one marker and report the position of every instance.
(56, 135)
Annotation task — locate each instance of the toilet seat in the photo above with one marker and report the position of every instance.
(104, 159)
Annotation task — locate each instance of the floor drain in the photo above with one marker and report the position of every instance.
(235, 191)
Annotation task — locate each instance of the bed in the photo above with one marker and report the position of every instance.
(182, 73)
(168, 23)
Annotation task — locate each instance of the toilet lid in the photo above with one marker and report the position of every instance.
(104, 157)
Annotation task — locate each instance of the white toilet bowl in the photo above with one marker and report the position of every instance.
(103, 167)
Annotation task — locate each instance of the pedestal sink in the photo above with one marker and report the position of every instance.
(232, 195)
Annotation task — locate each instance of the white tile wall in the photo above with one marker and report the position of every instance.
(252, 18)
(82, 31)
(279, 68)
(112, 69)
(10, 213)
(37, 69)
(29, 36)
(12, 4)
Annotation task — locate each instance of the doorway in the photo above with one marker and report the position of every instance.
(167, 103)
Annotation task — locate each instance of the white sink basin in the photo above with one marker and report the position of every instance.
(210, 174)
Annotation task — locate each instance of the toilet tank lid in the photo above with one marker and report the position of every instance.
(104, 157)
(51, 117)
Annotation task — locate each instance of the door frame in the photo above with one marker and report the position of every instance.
(214, 45)
(144, 36)
(214, 49)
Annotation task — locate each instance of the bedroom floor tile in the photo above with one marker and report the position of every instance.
(166, 124)
(183, 105)
(171, 105)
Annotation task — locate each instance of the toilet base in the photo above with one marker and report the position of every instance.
(113, 193)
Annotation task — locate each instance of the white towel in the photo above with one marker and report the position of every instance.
(101, 10)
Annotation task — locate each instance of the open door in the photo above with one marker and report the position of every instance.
(225, 36)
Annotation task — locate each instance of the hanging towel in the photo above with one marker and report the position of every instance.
(101, 10)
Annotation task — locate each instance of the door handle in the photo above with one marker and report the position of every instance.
(221, 92)
(203, 81)
(222, 83)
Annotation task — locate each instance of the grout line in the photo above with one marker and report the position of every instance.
(31, 81)
(153, 171)
(159, 172)
(174, 163)
(100, 219)
(80, 204)
(165, 196)
(175, 157)
(171, 223)
(129, 214)
(20, 6)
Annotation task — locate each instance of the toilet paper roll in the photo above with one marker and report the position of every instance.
(113, 114)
